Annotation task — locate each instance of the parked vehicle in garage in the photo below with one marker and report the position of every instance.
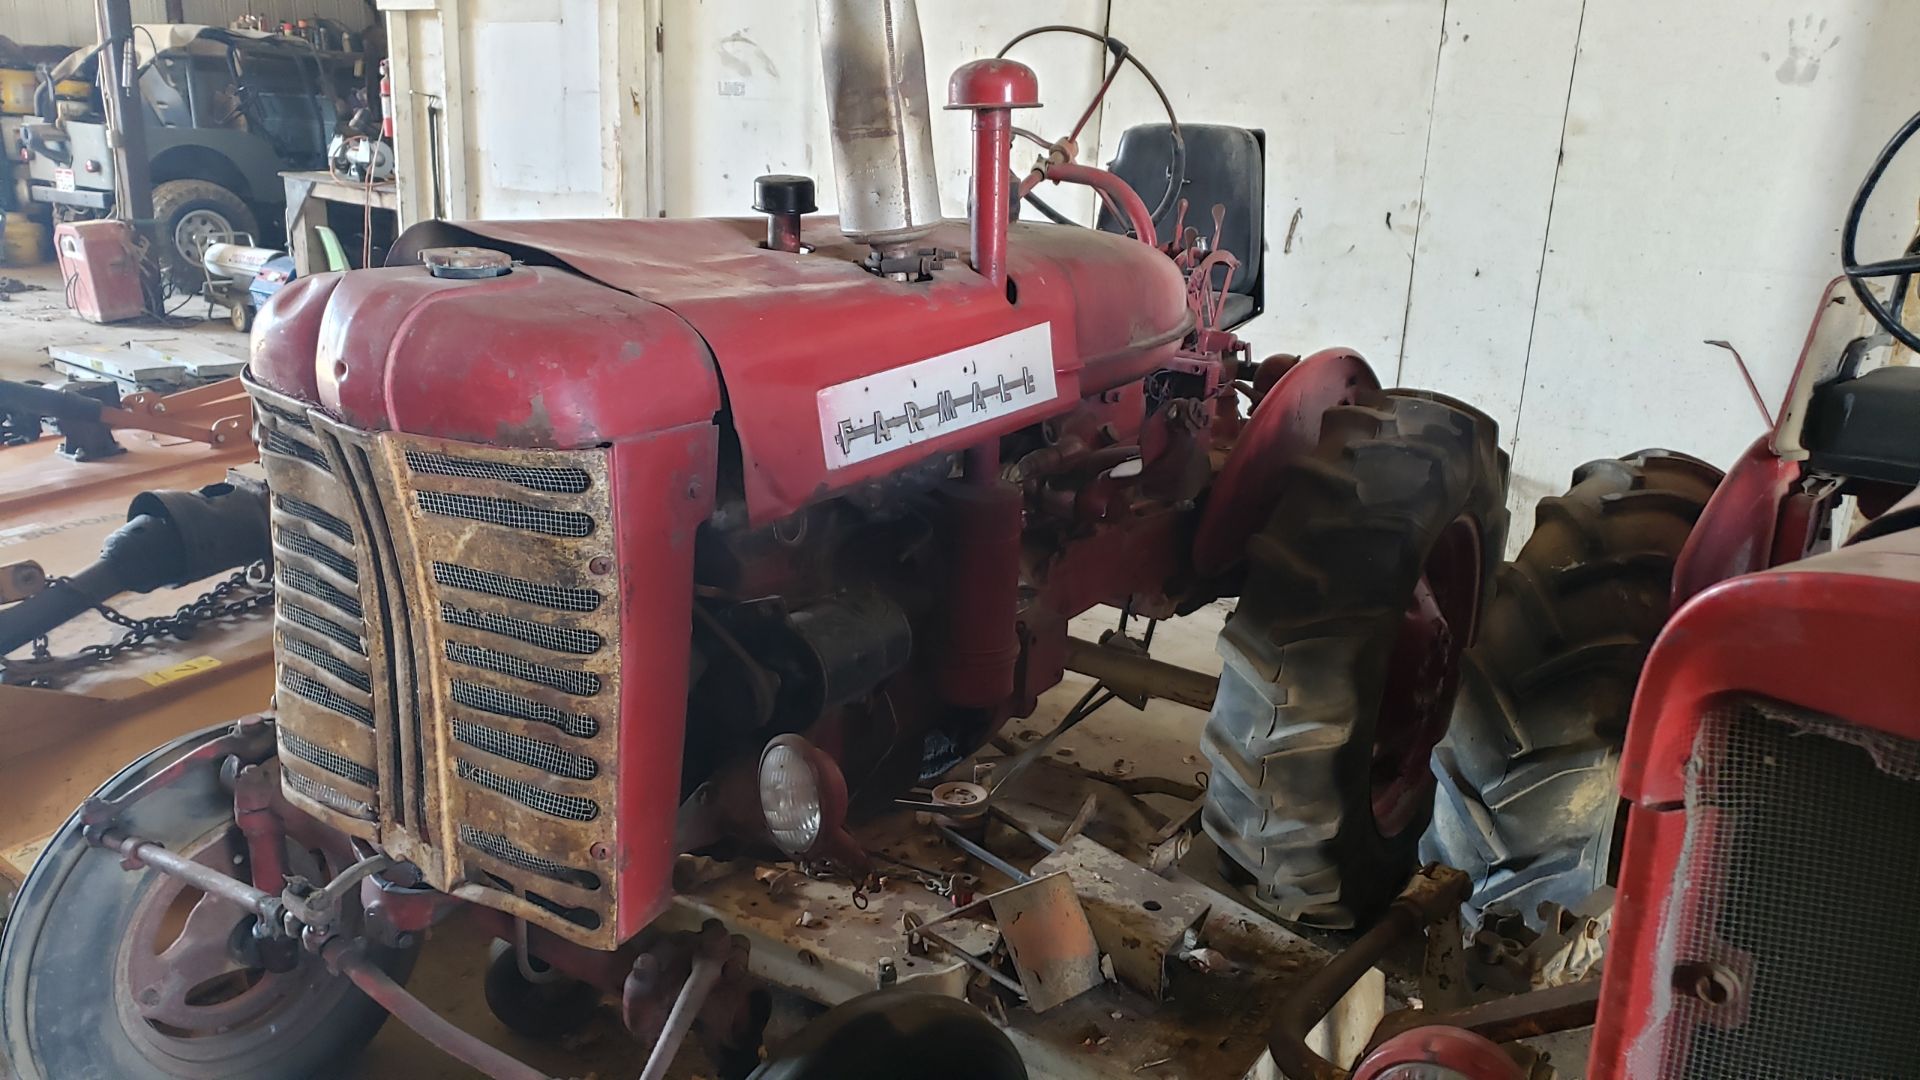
(600, 542)
(1771, 764)
(224, 111)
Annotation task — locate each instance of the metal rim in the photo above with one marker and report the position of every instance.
(181, 993)
(198, 229)
(1423, 675)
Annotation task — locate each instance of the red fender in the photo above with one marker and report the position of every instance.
(1736, 532)
(1284, 426)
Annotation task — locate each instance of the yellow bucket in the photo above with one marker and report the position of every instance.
(23, 241)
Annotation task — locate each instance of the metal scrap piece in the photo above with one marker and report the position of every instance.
(1139, 918)
(1049, 939)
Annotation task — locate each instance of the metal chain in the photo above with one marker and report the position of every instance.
(182, 624)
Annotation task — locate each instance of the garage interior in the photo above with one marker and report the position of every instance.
(557, 538)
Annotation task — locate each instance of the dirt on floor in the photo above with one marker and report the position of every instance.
(37, 317)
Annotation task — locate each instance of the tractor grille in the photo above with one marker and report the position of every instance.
(1797, 884)
(449, 677)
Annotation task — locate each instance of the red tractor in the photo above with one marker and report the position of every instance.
(1771, 769)
(598, 542)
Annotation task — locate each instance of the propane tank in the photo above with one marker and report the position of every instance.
(234, 262)
(882, 124)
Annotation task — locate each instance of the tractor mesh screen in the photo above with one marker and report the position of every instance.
(568, 807)
(306, 582)
(328, 797)
(323, 626)
(306, 511)
(276, 411)
(274, 442)
(301, 544)
(513, 855)
(533, 753)
(557, 597)
(506, 513)
(324, 696)
(320, 757)
(328, 663)
(556, 638)
(578, 683)
(558, 479)
(1803, 865)
(501, 703)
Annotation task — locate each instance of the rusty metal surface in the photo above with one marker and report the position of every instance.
(1135, 675)
(449, 641)
(1139, 918)
(1433, 892)
(809, 936)
(1048, 939)
(20, 580)
(1504, 1019)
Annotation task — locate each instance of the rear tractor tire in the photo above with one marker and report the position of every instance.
(1527, 803)
(1342, 657)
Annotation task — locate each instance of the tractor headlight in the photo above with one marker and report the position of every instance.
(791, 793)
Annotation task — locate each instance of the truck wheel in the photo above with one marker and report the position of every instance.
(193, 214)
(134, 975)
(1527, 802)
(1342, 657)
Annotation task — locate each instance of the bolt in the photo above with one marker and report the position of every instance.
(600, 565)
(599, 851)
(403, 941)
(693, 488)
(1710, 983)
(888, 974)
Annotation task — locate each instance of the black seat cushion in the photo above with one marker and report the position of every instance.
(1867, 426)
(1225, 166)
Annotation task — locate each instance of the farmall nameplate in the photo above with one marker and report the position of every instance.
(892, 410)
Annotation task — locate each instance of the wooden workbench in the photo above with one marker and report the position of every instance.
(307, 196)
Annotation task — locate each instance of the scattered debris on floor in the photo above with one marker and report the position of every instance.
(11, 285)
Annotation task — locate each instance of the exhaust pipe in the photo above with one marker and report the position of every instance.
(881, 120)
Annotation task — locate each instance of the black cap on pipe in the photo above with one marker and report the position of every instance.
(783, 193)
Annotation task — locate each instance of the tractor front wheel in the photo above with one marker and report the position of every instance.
(1343, 655)
(136, 975)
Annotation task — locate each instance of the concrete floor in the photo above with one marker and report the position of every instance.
(1161, 740)
(31, 321)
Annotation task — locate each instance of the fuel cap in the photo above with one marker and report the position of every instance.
(466, 262)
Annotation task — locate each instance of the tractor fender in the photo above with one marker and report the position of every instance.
(1736, 532)
(1284, 427)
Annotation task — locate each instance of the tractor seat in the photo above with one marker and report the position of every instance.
(1237, 308)
(1867, 426)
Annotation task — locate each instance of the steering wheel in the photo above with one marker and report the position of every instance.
(1122, 54)
(1902, 269)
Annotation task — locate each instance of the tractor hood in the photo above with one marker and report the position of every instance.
(612, 330)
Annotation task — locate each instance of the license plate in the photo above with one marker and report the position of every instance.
(62, 179)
